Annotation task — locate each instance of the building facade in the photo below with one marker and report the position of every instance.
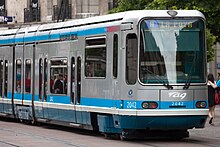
(46, 11)
(214, 66)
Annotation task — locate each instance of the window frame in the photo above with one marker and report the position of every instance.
(64, 70)
(133, 53)
(17, 83)
(27, 78)
(95, 67)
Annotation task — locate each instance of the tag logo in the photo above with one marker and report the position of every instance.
(177, 95)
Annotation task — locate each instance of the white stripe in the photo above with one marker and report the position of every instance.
(128, 112)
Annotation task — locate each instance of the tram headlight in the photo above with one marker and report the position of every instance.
(149, 105)
(201, 104)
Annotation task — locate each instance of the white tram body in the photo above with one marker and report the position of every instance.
(135, 70)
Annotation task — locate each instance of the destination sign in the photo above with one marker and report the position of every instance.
(170, 24)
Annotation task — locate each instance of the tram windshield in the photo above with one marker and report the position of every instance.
(172, 51)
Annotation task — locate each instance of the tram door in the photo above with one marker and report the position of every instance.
(6, 80)
(4, 84)
(28, 76)
(23, 73)
(75, 80)
(42, 83)
(18, 89)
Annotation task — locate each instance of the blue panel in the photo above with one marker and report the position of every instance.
(7, 41)
(18, 96)
(92, 31)
(39, 113)
(106, 124)
(46, 112)
(177, 104)
(29, 39)
(28, 96)
(42, 38)
(4, 41)
(9, 95)
(67, 115)
(86, 118)
(36, 98)
(79, 118)
(19, 40)
(172, 122)
(1, 107)
(58, 99)
(97, 102)
(54, 36)
(133, 104)
(53, 113)
(48, 37)
(7, 108)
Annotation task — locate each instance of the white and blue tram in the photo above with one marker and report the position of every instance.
(118, 73)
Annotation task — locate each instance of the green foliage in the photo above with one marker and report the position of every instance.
(210, 8)
(125, 5)
(210, 40)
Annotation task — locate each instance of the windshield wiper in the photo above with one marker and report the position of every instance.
(158, 78)
(168, 86)
(188, 80)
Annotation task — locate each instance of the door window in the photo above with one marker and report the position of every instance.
(58, 76)
(18, 76)
(28, 76)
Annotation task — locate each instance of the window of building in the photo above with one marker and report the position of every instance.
(28, 76)
(58, 76)
(32, 13)
(62, 10)
(18, 76)
(95, 57)
(115, 56)
(131, 58)
(50, 7)
(87, 8)
(3, 11)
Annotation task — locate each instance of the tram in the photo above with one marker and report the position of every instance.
(134, 71)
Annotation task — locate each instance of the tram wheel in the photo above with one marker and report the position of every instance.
(107, 135)
(122, 136)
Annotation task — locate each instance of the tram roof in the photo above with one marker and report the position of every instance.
(122, 16)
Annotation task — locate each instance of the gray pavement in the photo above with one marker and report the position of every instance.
(15, 134)
(209, 131)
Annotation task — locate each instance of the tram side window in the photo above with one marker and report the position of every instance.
(40, 78)
(6, 79)
(45, 79)
(58, 76)
(131, 58)
(115, 56)
(72, 86)
(95, 57)
(1, 77)
(28, 76)
(18, 76)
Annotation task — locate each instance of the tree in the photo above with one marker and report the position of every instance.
(210, 40)
(125, 5)
(209, 8)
